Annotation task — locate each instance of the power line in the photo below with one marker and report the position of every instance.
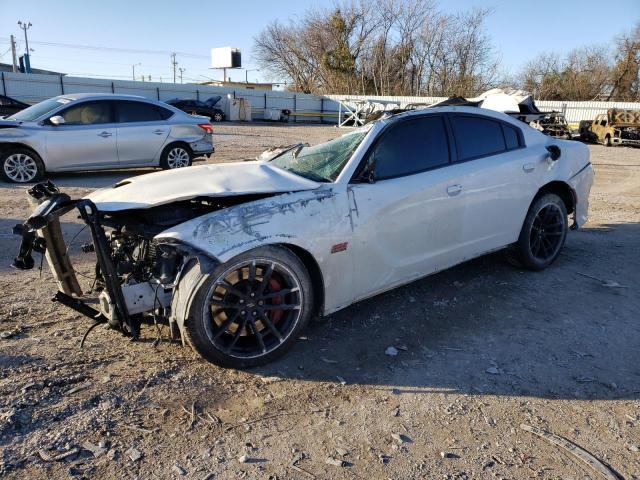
(113, 49)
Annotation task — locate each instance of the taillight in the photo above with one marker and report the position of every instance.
(206, 127)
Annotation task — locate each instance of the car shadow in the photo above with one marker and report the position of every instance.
(485, 327)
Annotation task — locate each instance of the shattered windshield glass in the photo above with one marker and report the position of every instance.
(323, 162)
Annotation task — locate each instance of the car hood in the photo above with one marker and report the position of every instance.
(214, 180)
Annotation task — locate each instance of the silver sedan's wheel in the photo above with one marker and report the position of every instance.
(21, 167)
(178, 157)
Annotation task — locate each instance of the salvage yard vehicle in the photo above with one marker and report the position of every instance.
(97, 132)
(237, 257)
(9, 106)
(616, 127)
(207, 108)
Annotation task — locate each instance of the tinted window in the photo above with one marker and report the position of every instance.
(137, 112)
(511, 137)
(477, 136)
(165, 113)
(411, 146)
(88, 113)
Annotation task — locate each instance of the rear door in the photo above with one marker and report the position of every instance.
(142, 131)
(499, 178)
(86, 139)
(408, 222)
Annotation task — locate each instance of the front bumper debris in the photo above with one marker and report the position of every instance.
(41, 233)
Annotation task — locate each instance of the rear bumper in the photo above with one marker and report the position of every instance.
(581, 184)
(203, 146)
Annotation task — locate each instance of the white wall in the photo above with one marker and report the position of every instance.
(33, 88)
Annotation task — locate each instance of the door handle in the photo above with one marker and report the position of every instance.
(454, 189)
(105, 134)
(158, 132)
(528, 167)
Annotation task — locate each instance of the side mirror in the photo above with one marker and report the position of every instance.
(554, 152)
(57, 120)
(368, 175)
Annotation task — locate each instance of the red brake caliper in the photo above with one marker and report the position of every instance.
(275, 315)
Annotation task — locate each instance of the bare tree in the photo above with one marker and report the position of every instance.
(393, 47)
(625, 82)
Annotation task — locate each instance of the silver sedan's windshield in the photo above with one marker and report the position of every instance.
(323, 162)
(39, 109)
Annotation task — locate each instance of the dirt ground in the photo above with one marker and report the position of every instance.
(482, 349)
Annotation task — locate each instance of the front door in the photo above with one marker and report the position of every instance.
(408, 222)
(86, 139)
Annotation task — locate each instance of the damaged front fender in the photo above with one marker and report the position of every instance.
(314, 221)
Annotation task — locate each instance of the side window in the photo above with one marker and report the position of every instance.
(477, 136)
(88, 113)
(165, 113)
(511, 137)
(130, 111)
(603, 123)
(411, 146)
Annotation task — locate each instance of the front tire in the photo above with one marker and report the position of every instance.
(543, 233)
(20, 165)
(175, 156)
(250, 310)
(217, 117)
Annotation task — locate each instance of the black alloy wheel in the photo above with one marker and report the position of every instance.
(250, 310)
(547, 233)
(253, 307)
(543, 234)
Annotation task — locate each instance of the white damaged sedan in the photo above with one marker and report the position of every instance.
(237, 257)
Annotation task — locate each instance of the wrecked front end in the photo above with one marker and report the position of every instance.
(135, 275)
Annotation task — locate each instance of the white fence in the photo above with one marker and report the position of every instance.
(33, 88)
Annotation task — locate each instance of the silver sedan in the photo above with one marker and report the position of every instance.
(97, 132)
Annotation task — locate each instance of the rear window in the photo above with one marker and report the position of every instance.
(164, 113)
(477, 136)
(138, 112)
(511, 137)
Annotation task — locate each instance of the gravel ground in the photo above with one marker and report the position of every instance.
(482, 348)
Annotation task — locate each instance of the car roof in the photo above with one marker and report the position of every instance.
(103, 96)
(456, 109)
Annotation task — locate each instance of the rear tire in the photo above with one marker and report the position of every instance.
(234, 320)
(20, 165)
(543, 233)
(608, 142)
(176, 155)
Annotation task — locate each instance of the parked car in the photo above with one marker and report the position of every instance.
(97, 132)
(9, 106)
(239, 256)
(616, 127)
(196, 107)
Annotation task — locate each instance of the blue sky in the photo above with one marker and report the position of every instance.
(519, 31)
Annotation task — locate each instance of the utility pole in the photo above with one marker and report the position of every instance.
(174, 64)
(181, 70)
(13, 54)
(133, 70)
(25, 26)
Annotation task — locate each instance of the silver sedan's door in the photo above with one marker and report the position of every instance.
(409, 221)
(86, 139)
(141, 132)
